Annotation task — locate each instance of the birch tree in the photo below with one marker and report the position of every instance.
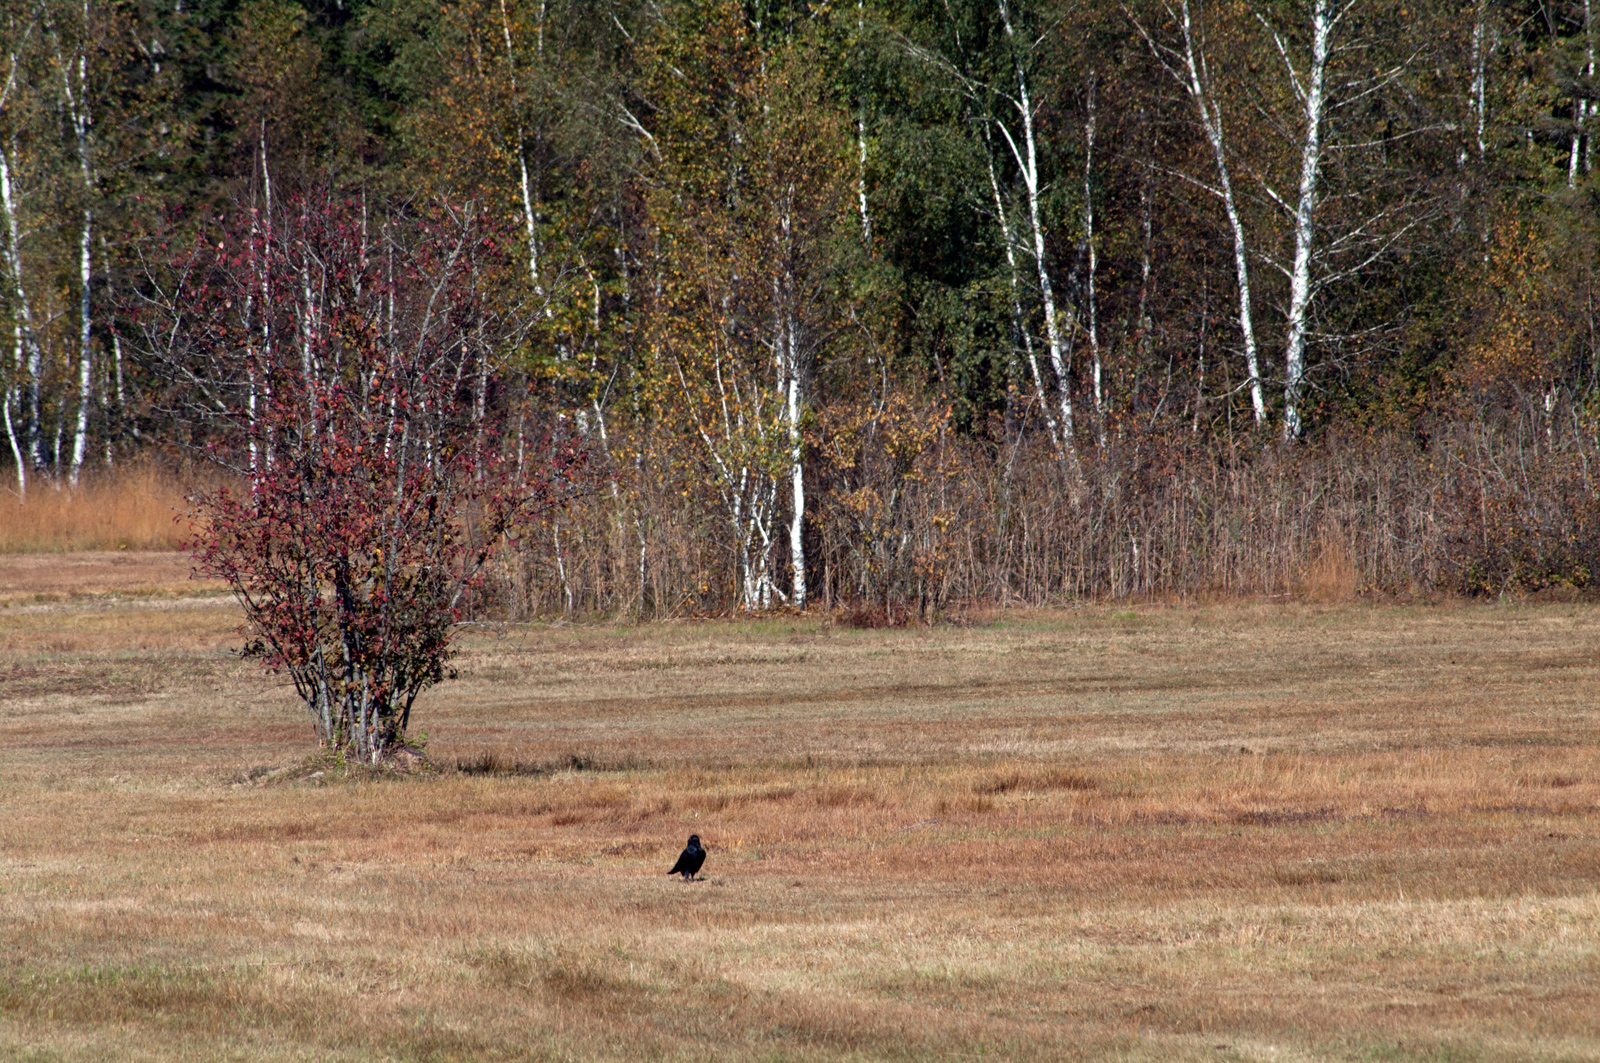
(1024, 150)
(35, 161)
(71, 72)
(1187, 60)
(744, 191)
(1310, 88)
(21, 398)
(1323, 66)
(1584, 103)
(1000, 84)
(1338, 69)
(72, 45)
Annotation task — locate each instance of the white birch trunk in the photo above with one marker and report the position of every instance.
(1196, 84)
(797, 478)
(116, 383)
(1142, 321)
(1017, 321)
(308, 327)
(861, 150)
(1027, 158)
(786, 348)
(1584, 108)
(1478, 103)
(80, 437)
(16, 447)
(1052, 321)
(82, 122)
(1580, 112)
(747, 584)
(13, 390)
(116, 362)
(1589, 106)
(1480, 62)
(861, 178)
(266, 177)
(561, 570)
(528, 215)
(268, 337)
(28, 354)
(1305, 216)
(761, 527)
(529, 220)
(1200, 374)
(253, 361)
(25, 341)
(1578, 108)
(1095, 368)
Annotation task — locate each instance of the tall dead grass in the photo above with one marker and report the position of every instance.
(132, 508)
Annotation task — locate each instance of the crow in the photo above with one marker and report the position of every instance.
(689, 861)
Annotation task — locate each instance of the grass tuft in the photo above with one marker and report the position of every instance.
(1034, 781)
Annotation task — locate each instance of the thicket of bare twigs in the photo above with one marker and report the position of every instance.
(913, 520)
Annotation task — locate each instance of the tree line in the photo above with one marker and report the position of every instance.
(884, 305)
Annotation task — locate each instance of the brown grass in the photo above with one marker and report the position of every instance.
(42, 578)
(1330, 577)
(1238, 833)
(132, 509)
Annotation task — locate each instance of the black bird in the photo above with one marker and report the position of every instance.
(690, 859)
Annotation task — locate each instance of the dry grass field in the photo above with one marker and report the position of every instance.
(1234, 833)
(132, 510)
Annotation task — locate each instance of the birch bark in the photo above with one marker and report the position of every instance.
(797, 483)
(797, 478)
(1583, 107)
(529, 218)
(29, 357)
(1590, 106)
(1027, 158)
(786, 350)
(1018, 324)
(27, 442)
(1195, 77)
(1313, 95)
(861, 150)
(1092, 310)
(16, 446)
(75, 91)
(1478, 102)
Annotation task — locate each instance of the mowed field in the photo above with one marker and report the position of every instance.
(1265, 832)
